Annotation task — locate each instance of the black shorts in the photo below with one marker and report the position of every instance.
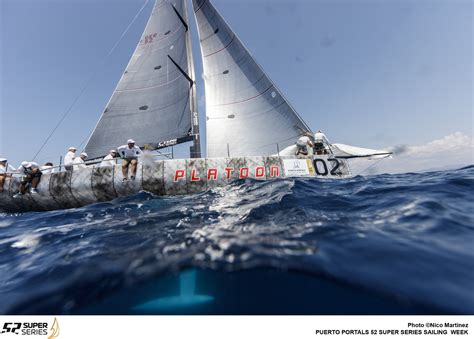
(301, 149)
(30, 176)
(35, 175)
(318, 146)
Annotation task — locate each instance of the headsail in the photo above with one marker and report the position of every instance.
(246, 113)
(348, 152)
(153, 101)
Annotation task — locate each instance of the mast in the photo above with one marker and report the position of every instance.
(195, 149)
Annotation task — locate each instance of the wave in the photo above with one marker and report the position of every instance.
(406, 236)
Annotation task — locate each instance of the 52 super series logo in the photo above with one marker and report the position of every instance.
(31, 329)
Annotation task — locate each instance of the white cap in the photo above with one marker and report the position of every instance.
(72, 148)
(84, 154)
(24, 163)
(113, 151)
(3, 159)
(31, 164)
(130, 141)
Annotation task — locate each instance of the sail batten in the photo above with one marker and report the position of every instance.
(152, 102)
(246, 114)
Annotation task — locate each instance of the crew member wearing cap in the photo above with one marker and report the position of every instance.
(22, 169)
(69, 158)
(129, 154)
(79, 161)
(48, 168)
(109, 160)
(32, 176)
(5, 170)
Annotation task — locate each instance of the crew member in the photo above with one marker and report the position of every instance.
(79, 162)
(320, 143)
(5, 170)
(69, 158)
(302, 145)
(22, 169)
(47, 168)
(31, 178)
(109, 159)
(129, 154)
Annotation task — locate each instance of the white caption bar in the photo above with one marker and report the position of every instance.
(238, 327)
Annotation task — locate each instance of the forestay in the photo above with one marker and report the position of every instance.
(153, 99)
(246, 114)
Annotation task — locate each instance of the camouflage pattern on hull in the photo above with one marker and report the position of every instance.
(103, 183)
(164, 177)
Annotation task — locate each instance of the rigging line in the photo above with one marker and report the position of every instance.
(89, 81)
(369, 167)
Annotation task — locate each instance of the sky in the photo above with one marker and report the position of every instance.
(383, 74)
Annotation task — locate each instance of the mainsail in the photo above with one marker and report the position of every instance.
(245, 113)
(154, 102)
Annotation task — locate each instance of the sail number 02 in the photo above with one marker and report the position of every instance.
(322, 169)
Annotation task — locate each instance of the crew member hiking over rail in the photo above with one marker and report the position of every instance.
(129, 154)
(4, 169)
(31, 177)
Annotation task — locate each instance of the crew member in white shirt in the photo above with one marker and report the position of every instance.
(32, 177)
(79, 161)
(22, 169)
(48, 168)
(320, 143)
(5, 170)
(109, 159)
(302, 145)
(69, 158)
(129, 154)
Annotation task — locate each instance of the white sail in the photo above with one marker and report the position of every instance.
(245, 113)
(153, 100)
(347, 151)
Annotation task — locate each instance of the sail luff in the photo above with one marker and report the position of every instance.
(151, 102)
(246, 114)
(116, 86)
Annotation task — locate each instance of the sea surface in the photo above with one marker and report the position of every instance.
(385, 244)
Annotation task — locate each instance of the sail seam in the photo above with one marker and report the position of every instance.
(134, 81)
(142, 113)
(223, 48)
(251, 114)
(229, 67)
(251, 98)
(142, 88)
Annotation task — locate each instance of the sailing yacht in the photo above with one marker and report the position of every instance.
(250, 126)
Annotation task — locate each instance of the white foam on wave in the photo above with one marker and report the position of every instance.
(5, 223)
(28, 241)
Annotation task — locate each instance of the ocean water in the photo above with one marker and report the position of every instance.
(385, 244)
